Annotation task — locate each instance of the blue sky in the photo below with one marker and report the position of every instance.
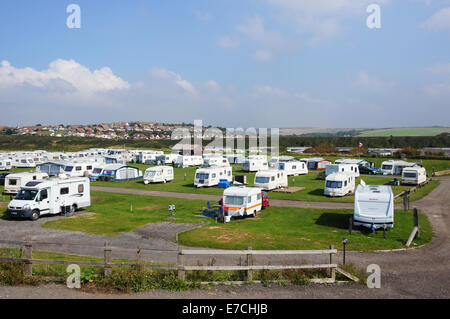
(261, 63)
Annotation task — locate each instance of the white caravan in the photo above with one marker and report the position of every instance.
(342, 168)
(78, 169)
(395, 167)
(24, 162)
(339, 184)
(270, 179)
(50, 197)
(13, 182)
(293, 167)
(273, 163)
(241, 201)
(414, 175)
(215, 161)
(96, 172)
(5, 164)
(211, 176)
(255, 163)
(166, 159)
(235, 159)
(374, 206)
(188, 160)
(158, 174)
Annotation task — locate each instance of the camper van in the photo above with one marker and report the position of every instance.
(242, 201)
(255, 163)
(158, 174)
(211, 176)
(374, 206)
(13, 182)
(339, 184)
(395, 167)
(188, 160)
(342, 168)
(414, 175)
(215, 161)
(5, 164)
(50, 197)
(271, 179)
(292, 167)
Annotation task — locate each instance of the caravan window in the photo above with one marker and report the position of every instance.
(249, 199)
(332, 184)
(214, 175)
(97, 170)
(385, 166)
(409, 175)
(64, 191)
(89, 168)
(258, 197)
(13, 182)
(202, 176)
(78, 168)
(272, 178)
(68, 168)
(80, 189)
(261, 180)
(234, 200)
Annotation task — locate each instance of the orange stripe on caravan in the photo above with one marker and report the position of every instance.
(238, 208)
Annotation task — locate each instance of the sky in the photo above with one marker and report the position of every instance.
(229, 63)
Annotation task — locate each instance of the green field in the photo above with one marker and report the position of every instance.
(407, 131)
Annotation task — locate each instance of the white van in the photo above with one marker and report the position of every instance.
(292, 167)
(211, 176)
(339, 184)
(188, 160)
(241, 201)
(5, 164)
(13, 182)
(395, 167)
(270, 179)
(374, 206)
(255, 163)
(414, 175)
(342, 168)
(50, 197)
(158, 174)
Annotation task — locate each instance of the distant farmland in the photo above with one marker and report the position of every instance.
(407, 131)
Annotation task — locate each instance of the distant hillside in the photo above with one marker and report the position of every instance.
(406, 131)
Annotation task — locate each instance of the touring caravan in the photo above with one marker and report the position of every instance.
(5, 164)
(339, 184)
(211, 176)
(50, 197)
(342, 168)
(158, 174)
(24, 162)
(395, 167)
(273, 163)
(270, 179)
(13, 182)
(235, 159)
(292, 167)
(316, 163)
(188, 160)
(148, 157)
(358, 162)
(255, 163)
(374, 206)
(52, 168)
(96, 172)
(120, 173)
(78, 169)
(215, 161)
(414, 175)
(242, 201)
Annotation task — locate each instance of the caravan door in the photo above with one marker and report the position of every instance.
(43, 199)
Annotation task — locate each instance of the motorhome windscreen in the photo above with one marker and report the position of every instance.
(26, 194)
(332, 184)
(202, 176)
(234, 200)
(386, 167)
(261, 180)
(410, 175)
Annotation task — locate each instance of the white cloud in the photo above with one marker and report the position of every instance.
(67, 74)
(438, 21)
(263, 56)
(175, 78)
(204, 16)
(227, 42)
(212, 85)
(372, 83)
(440, 68)
(254, 28)
(438, 89)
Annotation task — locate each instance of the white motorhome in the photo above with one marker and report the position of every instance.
(374, 206)
(5, 164)
(241, 201)
(158, 174)
(270, 179)
(211, 176)
(188, 160)
(395, 167)
(255, 163)
(342, 168)
(215, 161)
(13, 182)
(414, 175)
(293, 167)
(50, 197)
(339, 184)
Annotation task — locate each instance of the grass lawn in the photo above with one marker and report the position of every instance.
(313, 187)
(407, 131)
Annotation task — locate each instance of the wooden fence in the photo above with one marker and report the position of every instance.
(181, 266)
(441, 173)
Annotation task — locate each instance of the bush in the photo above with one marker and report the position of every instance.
(13, 274)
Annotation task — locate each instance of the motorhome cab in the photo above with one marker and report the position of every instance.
(242, 201)
(5, 164)
(50, 197)
(293, 167)
(339, 184)
(211, 176)
(158, 174)
(374, 206)
(13, 182)
(414, 175)
(395, 167)
(342, 168)
(188, 160)
(270, 179)
(255, 163)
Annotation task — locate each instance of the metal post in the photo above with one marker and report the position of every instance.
(29, 256)
(249, 263)
(107, 260)
(350, 225)
(332, 270)
(138, 259)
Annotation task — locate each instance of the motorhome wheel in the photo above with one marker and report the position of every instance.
(35, 215)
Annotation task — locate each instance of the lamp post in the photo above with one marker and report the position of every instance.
(344, 242)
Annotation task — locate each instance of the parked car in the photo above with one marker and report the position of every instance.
(2, 178)
(369, 170)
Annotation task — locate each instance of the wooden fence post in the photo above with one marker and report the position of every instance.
(138, 259)
(29, 256)
(416, 221)
(249, 263)
(350, 225)
(180, 264)
(332, 269)
(107, 259)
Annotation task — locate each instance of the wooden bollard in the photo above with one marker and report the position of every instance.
(107, 259)
(350, 225)
(29, 256)
(332, 271)
(138, 259)
(249, 263)
(180, 264)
